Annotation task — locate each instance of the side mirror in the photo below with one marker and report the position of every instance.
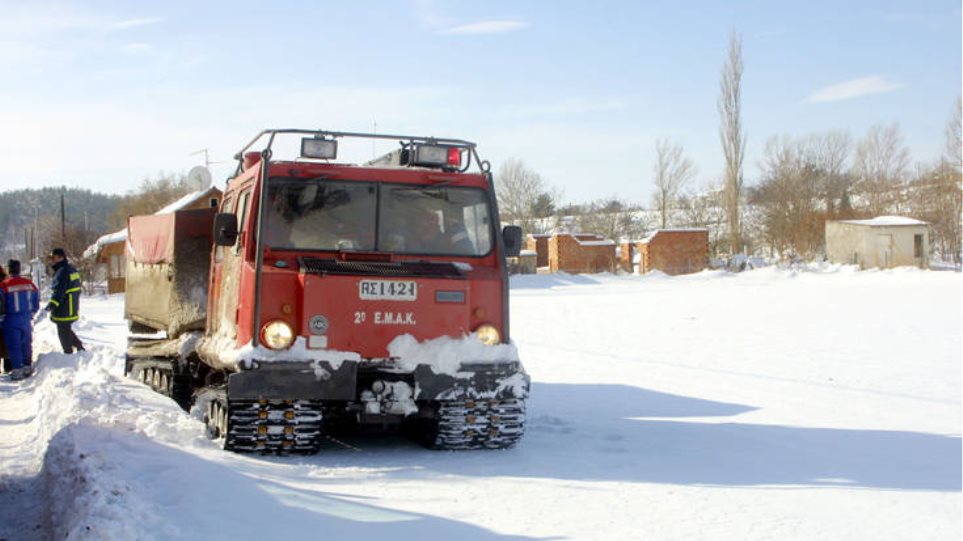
(512, 238)
(225, 229)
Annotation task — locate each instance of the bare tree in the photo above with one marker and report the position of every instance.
(702, 208)
(944, 192)
(954, 136)
(880, 167)
(523, 197)
(672, 171)
(152, 195)
(731, 134)
(829, 153)
(788, 198)
(612, 218)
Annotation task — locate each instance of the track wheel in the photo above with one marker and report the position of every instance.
(213, 420)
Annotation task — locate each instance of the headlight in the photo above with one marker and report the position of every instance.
(277, 335)
(488, 335)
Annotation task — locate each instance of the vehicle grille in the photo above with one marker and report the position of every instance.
(380, 268)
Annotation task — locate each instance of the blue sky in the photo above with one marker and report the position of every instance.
(102, 94)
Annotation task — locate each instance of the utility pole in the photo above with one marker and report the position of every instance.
(63, 218)
(36, 224)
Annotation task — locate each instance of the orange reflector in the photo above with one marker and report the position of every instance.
(289, 430)
(262, 414)
(289, 415)
(262, 429)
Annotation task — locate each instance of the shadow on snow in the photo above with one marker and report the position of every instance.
(112, 478)
(623, 433)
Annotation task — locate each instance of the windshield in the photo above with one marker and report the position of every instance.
(370, 216)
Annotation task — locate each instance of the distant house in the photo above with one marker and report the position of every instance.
(558, 242)
(883, 242)
(539, 245)
(672, 251)
(582, 253)
(109, 250)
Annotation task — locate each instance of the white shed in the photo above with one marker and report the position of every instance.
(883, 242)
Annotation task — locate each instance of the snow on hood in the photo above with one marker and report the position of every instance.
(297, 352)
(445, 355)
(245, 355)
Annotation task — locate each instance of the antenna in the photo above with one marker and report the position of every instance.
(373, 151)
(207, 161)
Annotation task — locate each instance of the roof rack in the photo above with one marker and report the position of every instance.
(405, 140)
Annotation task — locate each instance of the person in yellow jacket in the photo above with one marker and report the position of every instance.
(64, 305)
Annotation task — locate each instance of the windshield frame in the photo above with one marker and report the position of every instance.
(381, 188)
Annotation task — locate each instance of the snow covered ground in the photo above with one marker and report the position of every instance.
(774, 404)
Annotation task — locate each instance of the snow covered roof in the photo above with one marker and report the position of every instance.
(881, 221)
(184, 202)
(110, 238)
(674, 230)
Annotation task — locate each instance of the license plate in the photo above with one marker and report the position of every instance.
(388, 290)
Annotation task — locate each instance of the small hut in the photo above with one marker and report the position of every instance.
(883, 242)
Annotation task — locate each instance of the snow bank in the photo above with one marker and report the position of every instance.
(89, 421)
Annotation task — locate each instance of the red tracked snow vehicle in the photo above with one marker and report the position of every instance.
(323, 295)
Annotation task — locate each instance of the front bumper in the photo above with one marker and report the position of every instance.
(294, 380)
(320, 380)
(475, 380)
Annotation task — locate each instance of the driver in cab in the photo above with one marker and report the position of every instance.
(426, 236)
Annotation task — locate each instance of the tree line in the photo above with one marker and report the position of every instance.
(34, 221)
(803, 182)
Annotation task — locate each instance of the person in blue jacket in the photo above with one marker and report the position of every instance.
(20, 302)
(64, 305)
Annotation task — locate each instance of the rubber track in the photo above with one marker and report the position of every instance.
(274, 426)
(479, 424)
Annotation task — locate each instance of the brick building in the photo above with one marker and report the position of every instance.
(580, 254)
(672, 251)
(539, 245)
